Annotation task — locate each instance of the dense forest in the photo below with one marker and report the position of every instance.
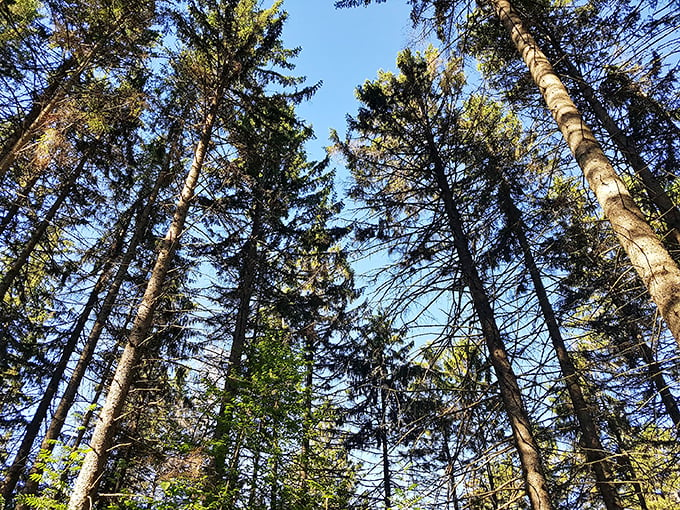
(185, 318)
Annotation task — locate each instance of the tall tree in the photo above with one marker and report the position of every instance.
(494, 138)
(89, 36)
(406, 127)
(656, 268)
(232, 41)
(378, 370)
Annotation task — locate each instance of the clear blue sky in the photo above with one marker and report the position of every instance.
(343, 48)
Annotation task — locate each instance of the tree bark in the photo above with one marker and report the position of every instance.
(625, 461)
(33, 428)
(651, 260)
(86, 483)
(71, 390)
(597, 457)
(667, 209)
(387, 475)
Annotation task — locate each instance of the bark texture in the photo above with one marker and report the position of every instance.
(33, 427)
(88, 350)
(668, 211)
(651, 260)
(85, 486)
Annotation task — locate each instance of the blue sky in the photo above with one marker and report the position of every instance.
(343, 48)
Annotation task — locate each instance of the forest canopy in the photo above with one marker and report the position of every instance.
(186, 317)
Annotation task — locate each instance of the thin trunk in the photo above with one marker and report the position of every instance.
(247, 288)
(656, 374)
(648, 256)
(71, 390)
(20, 200)
(232, 495)
(274, 489)
(525, 442)
(625, 461)
(451, 481)
(33, 480)
(255, 474)
(305, 451)
(387, 476)
(492, 486)
(86, 483)
(596, 456)
(17, 265)
(33, 427)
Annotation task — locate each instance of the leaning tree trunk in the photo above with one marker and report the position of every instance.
(667, 209)
(86, 483)
(46, 102)
(33, 428)
(651, 260)
(624, 460)
(525, 442)
(596, 456)
(20, 261)
(71, 390)
(655, 371)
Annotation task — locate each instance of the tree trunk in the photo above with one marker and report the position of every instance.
(669, 212)
(527, 448)
(596, 456)
(65, 76)
(41, 107)
(71, 391)
(21, 198)
(650, 259)
(15, 267)
(387, 475)
(656, 375)
(33, 427)
(450, 470)
(86, 483)
(625, 461)
(305, 450)
(492, 487)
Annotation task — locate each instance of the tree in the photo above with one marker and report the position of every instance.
(240, 40)
(650, 259)
(89, 36)
(377, 369)
(406, 127)
(490, 131)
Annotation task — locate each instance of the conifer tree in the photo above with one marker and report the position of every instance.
(658, 271)
(406, 126)
(227, 44)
